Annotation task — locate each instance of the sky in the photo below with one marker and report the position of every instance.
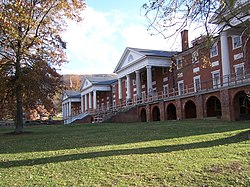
(96, 45)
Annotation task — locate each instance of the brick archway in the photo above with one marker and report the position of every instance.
(190, 110)
(171, 112)
(143, 115)
(156, 113)
(213, 106)
(241, 103)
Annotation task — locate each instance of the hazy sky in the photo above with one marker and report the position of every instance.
(97, 44)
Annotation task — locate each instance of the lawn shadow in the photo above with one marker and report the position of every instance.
(51, 138)
(148, 150)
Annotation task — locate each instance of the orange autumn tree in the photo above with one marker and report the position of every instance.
(31, 50)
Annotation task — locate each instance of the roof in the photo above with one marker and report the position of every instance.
(151, 52)
(102, 79)
(144, 53)
(72, 93)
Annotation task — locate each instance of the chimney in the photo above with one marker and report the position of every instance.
(184, 40)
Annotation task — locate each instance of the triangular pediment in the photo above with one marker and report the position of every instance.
(86, 83)
(65, 96)
(129, 57)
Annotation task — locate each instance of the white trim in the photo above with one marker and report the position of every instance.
(215, 63)
(233, 38)
(166, 87)
(216, 84)
(198, 77)
(180, 91)
(217, 50)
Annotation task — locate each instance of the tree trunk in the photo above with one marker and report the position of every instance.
(18, 91)
(19, 110)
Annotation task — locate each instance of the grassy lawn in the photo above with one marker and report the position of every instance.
(173, 153)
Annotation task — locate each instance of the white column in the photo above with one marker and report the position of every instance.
(128, 87)
(63, 113)
(120, 88)
(138, 84)
(82, 103)
(94, 99)
(85, 103)
(90, 100)
(67, 110)
(149, 80)
(70, 109)
(225, 57)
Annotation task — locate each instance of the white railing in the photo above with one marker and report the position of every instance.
(103, 113)
(71, 119)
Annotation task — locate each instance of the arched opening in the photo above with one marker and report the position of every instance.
(190, 110)
(241, 106)
(156, 114)
(171, 112)
(213, 107)
(143, 115)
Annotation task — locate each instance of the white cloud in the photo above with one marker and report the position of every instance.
(92, 43)
(96, 44)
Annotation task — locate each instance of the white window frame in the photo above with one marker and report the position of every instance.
(166, 90)
(216, 84)
(143, 96)
(108, 106)
(113, 89)
(114, 104)
(239, 76)
(214, 50)
(134, 98)
(154, 92)
(181, 91)
(236, 45)
(198, 77)
(195, 56)
(179, 63)
(134, 82)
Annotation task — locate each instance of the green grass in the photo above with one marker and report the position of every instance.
(173, 153)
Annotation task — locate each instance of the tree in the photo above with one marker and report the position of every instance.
(31, 50)
(170, 17)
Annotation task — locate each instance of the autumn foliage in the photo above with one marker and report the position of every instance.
(31, 51)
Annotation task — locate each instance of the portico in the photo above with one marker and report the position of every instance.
(71, 104)
(92, 87)
(133, 65)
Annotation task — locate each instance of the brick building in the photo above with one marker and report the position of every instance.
(210, 78)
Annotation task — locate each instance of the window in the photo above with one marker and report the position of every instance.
(143, 96)
(154, 93)
(114, 104)
(107, 105)
(197, 83)
(181, 87)
(134, 97)
(239, 71)
(236, 42)
(214, 50)
(126, 84)
(130, 58)
(113, 89)
(195, 56)
(179, 63)
(216, 79)
(165, 90)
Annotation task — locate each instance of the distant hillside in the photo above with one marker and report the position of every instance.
(72, 82)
